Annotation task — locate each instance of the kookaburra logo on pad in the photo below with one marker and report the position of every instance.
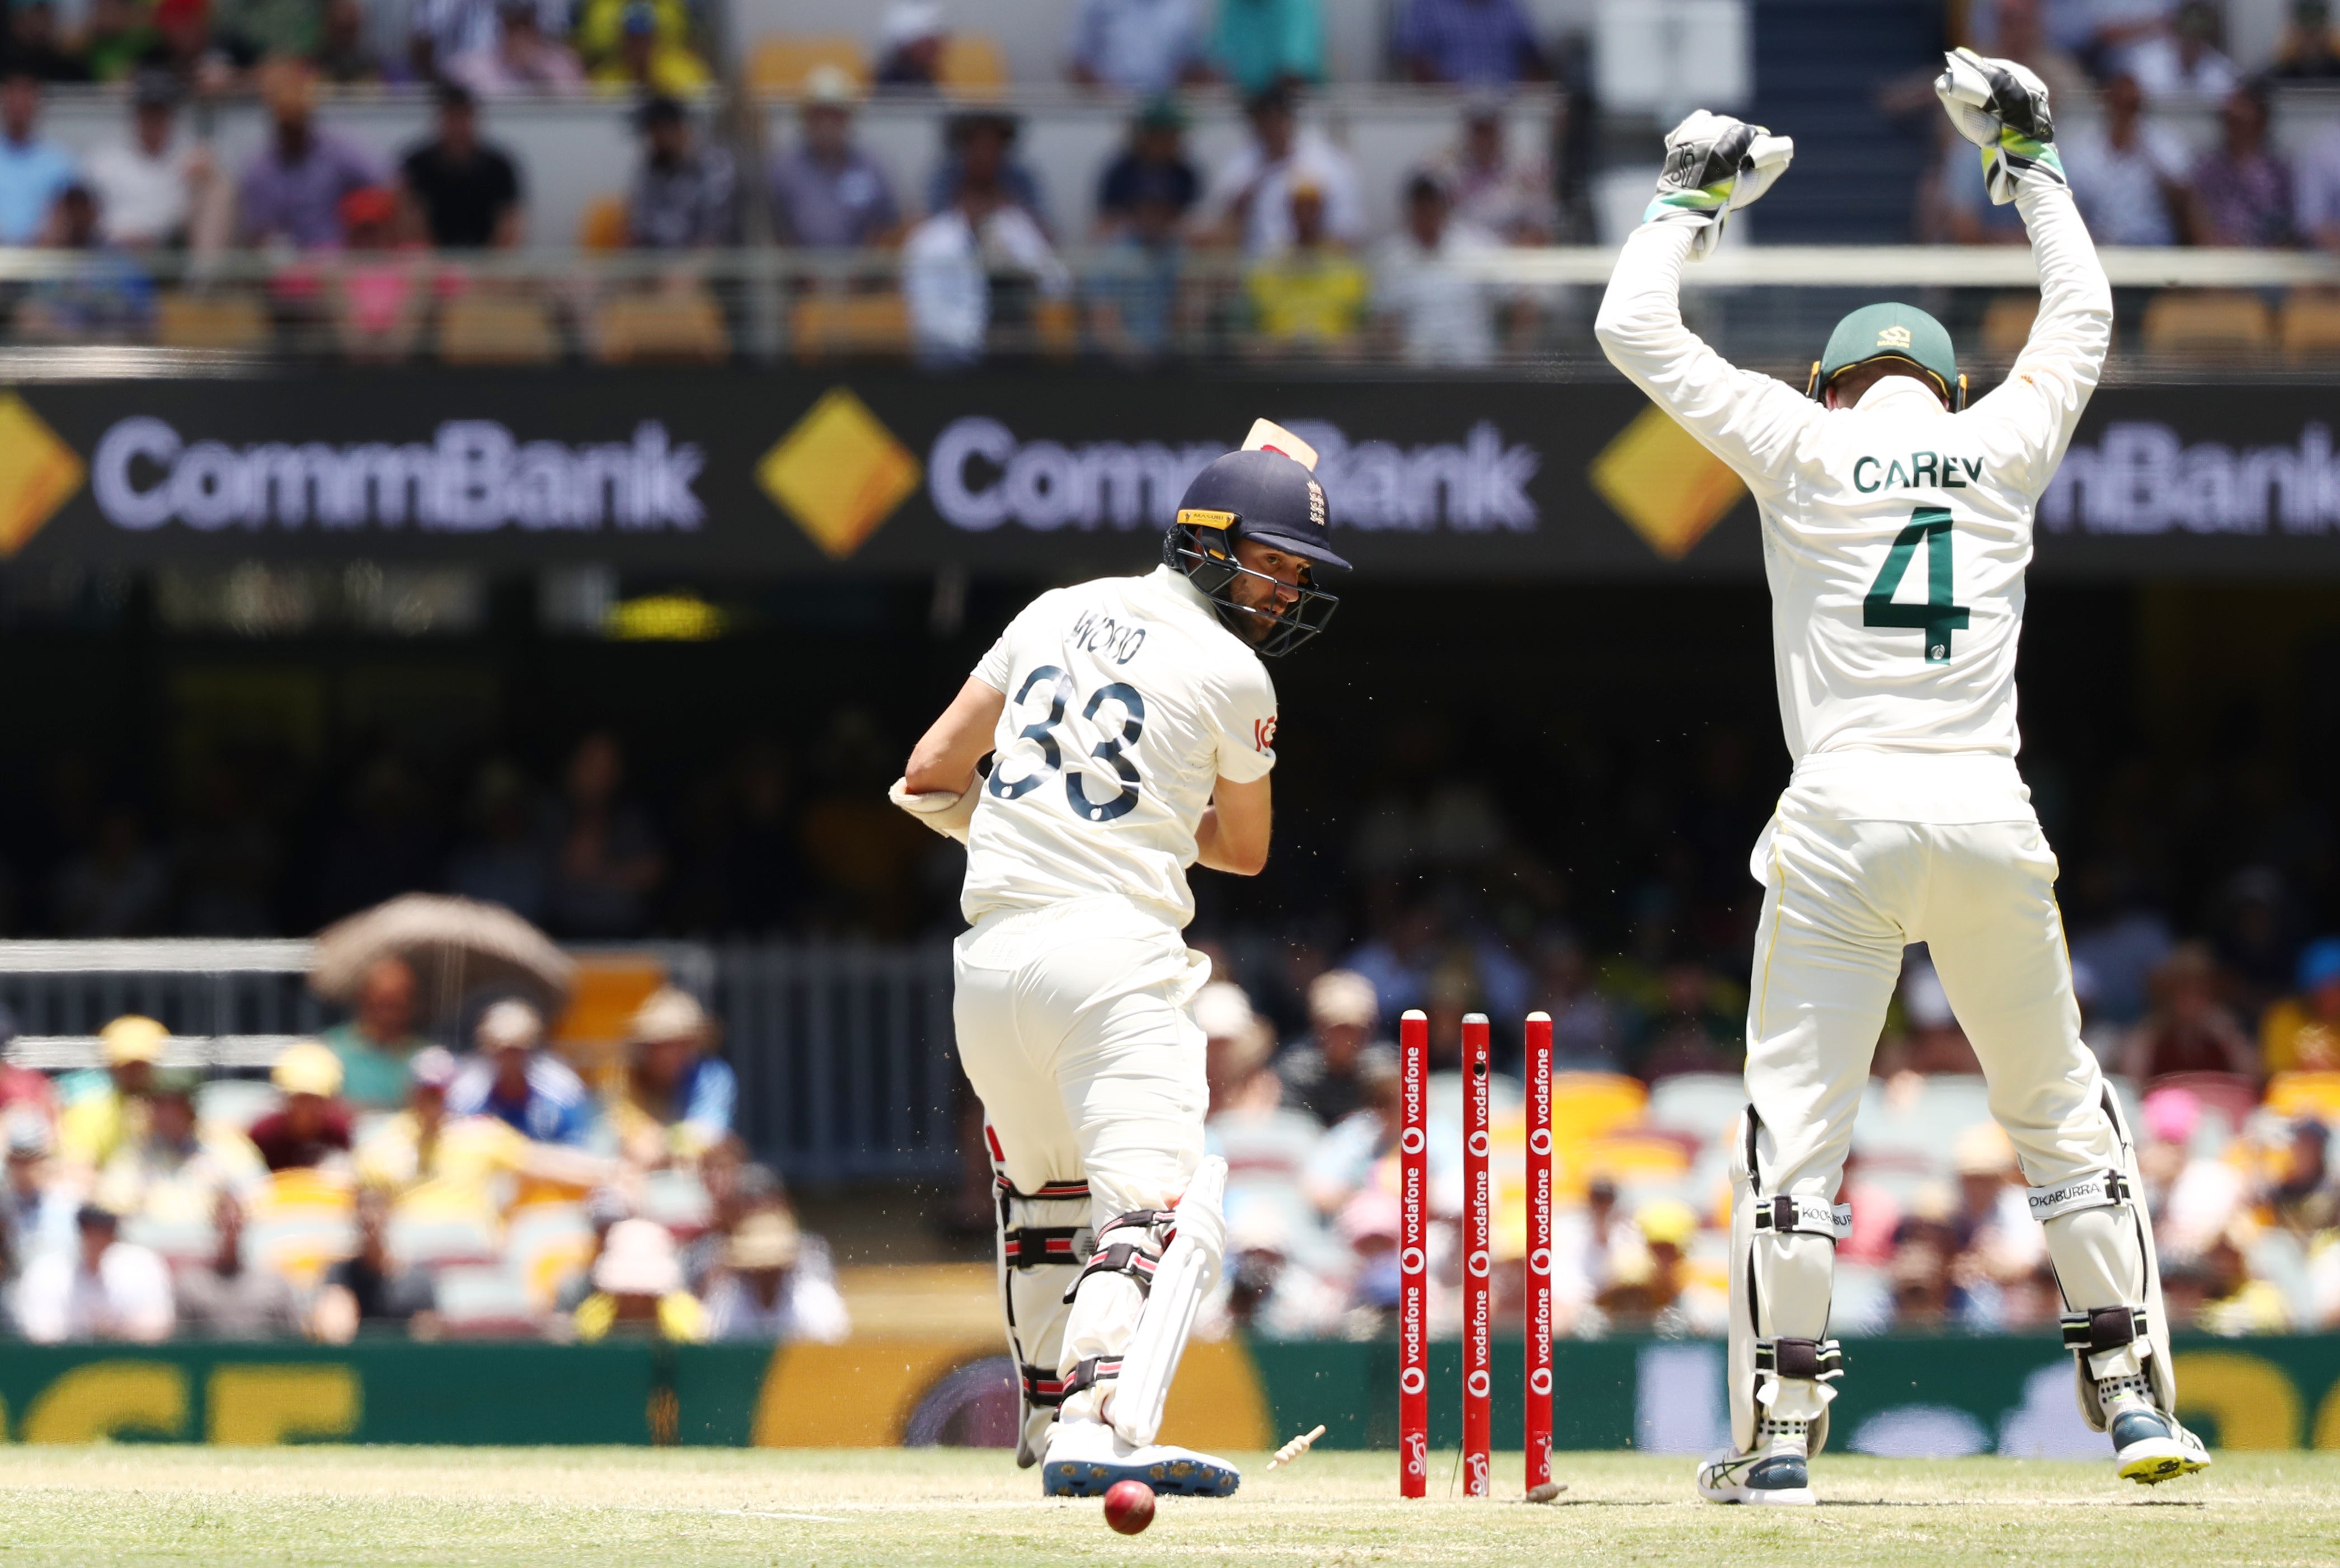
(1893, 338)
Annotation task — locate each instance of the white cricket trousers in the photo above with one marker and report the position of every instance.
(1073, 1027)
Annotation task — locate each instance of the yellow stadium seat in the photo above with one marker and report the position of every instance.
(1058, 326)
(2207, 322)
(780, 61)
(666, 326)
(824, 324)
(549, 1245)
(2311, 326)
(1625, 1156)
(485, 329)
(1585, 1106)
(2313, 1094)
(300, 1222)
(972, 66)
(2007, 324)
(185, 320)
(603, 226)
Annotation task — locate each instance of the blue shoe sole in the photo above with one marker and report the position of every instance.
(1168, 1478)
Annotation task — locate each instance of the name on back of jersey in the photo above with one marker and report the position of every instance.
(1108, 639)
(1938, 470)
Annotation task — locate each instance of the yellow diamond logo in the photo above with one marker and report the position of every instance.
(38, 474)
(840, 473)
(1659, 480)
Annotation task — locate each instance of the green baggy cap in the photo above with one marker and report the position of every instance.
(1897, 331)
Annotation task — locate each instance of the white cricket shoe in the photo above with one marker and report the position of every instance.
(1777, 1474)
(1086, 1458)
(2149, 1447)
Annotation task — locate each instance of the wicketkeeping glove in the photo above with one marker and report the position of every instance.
(2002, 108)
(1715, 166)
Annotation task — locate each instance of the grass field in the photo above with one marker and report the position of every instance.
(840, 1508)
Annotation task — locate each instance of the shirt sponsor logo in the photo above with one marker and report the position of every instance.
(2142, 477)
(1263, 736)
(980, 475)
(474, 477)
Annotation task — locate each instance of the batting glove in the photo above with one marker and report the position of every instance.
(1714, 166)
(947, 814)
(2002, 108)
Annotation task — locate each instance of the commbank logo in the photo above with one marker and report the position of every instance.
(38, 474)
(838, 473)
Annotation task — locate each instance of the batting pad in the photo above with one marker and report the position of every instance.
(1189, 1269)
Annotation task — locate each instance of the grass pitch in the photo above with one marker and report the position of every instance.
(839, 1509)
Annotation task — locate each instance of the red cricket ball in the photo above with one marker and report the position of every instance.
(1129, 1506)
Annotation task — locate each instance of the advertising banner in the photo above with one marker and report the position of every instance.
(1043, 472)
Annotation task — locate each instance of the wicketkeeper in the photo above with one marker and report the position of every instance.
(1896, 528)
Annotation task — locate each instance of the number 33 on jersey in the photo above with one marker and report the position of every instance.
(1127, 702)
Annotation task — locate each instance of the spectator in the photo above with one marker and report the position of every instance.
(2302, 1033)
(2182, 60)
(1270, 1293)
(606, 861)
(1439, 312)
(1653, 1288)
(777, 1286)
(227, 1297)
(827, 193)
(981, 146)
(2310, 50)
(1495, 190)
(107, 298)
(2024, 36)
(2317, 197)
(1136, 285)
(675, 1099)
(685, 194)
(442, 32)
(1344, 1160)
(1249, 199)
(343, 56)
(37, 1205)
(2304, 1200)
(463, 1155)
(1961, 212)
(311, 1127)
(2188, 1031)
(1265, 44)
(149, 185)
(523, 58)
(505, 861)
(948, 261)
(1370, 1224)
(117, 37)
(104, 1289)
(265, 29)
(1479, 42)
(641, 46)
(1152, 172)
(466, 192)
(378, 1041)
(637, 1290)
(174, 1172)
(1138, 46)
(32, 171)
(910, 46)
(1587, 1035)
(2127, 174)
(1322, 1076)
(1309, 297)
(379, 289)
(292, 189)
(1998, 1245)
(369, 1289)
(2236, 1303)
(98, 1123)
(33, 47)
(510, 1077)
(2243, 188)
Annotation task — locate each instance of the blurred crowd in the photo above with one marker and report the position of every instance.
(377, 1183)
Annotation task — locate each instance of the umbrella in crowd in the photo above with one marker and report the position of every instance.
(456, 947)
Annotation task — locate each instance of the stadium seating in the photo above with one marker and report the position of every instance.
(780, 61)
(1584, 1106)
(2230, 1096)
(1703, 1105)
(235, 1102)
(668, 326)
(2206, 321)
(432, 1238)
(485, 1302)
(603, 225)
(2007, 324)
(822, 325)
(299, 1223)
(477, 328)
(2311, 326)
(219, 321)
(548, 1245)
(972, 66)
(2290, 1094)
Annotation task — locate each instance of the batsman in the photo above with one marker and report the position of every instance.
(1131, 724)
(1896, 526)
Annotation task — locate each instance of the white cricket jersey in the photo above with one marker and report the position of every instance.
(1896, 534)
(1127, 702)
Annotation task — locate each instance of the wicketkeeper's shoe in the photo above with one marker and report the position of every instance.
(1086, 1458)
(2150, 1447)
(1777, 1472)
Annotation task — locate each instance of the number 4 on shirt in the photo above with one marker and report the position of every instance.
(1937, 617)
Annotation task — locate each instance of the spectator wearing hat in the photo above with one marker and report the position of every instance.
(1261, 43)
(292, 191)
(34, 171)
(311, 1127)
(1653, 1288)
(1139, 46)
(2188, 1031)
(1267, 1147)
(1267, 1287)
(637, 1291)
(231, 1296)
(2300, 1033)
(525, 57)
(379, 1039)
(369, 1289)
(1997, 1245)
(910, 44)
(103, 1288)
(511, 1077)
(1152, 170)
(151, 184)
(460, 1156)
(1249, 199)
(174, 1170)
(777, 1284)
(1322, 1074)
(1310, 296)
(465, 194)
(1347, 1158)
(675, 1099)
(827, 193)
(1135, 287)
(97, 1123)
(36, 1204)
(380, 288)
(641, 46)
(1476, 43)
(2234, 1302)
(685, 194)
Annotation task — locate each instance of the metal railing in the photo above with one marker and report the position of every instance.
(845, 1052)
